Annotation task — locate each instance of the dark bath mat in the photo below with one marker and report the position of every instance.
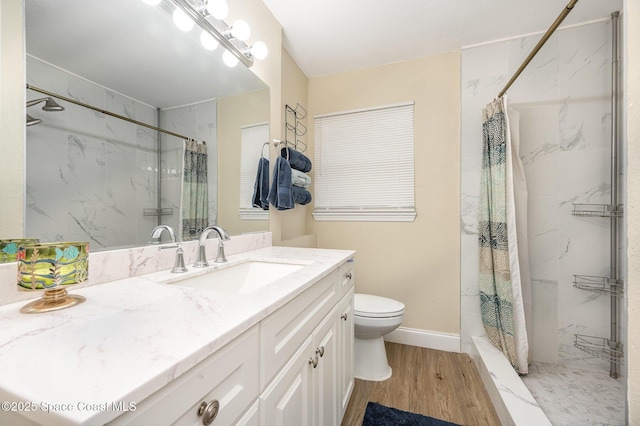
(379, 415)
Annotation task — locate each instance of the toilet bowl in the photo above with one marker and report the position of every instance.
(373, 317)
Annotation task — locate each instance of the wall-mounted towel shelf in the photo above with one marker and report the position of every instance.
(294, 128)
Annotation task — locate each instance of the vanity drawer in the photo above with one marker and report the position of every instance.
(230, 376)
(282, 332)
(347, 277)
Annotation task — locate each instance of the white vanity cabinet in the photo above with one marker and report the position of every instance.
(226, 383)
(345, 379)
(307, 383)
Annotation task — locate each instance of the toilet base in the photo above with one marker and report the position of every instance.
(371, 359)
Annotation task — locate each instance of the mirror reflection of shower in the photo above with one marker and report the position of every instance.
(49, 105)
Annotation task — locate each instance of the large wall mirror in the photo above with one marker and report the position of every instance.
(93, 177)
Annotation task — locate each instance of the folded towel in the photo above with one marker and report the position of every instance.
(281, 195)
(300, 179)
(297, 160)
(261, 186)
(301, 196)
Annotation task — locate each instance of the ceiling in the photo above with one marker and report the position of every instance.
(132, 48)
(333, 36)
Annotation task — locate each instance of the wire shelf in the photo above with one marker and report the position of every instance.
(165, 211)
(602, 285)
(598, 210)
(599, 347)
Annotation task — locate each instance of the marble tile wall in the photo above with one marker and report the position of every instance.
(563, 98)
(88, 175)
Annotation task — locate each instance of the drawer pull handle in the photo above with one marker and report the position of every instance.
(208, 411)
(343, 316)
(320, 351)
(314, 361)
(348, 276)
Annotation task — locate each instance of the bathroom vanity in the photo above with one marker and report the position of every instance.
(154, 349)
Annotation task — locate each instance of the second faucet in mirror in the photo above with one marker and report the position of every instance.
(201, 261)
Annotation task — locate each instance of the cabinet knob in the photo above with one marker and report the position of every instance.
(208, 411)
(344, 316)
(314, 361)
(348, 276)
(320, 351)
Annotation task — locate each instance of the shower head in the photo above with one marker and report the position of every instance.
(31, 121)
(50, 104)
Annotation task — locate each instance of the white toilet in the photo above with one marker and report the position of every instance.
(374, 316)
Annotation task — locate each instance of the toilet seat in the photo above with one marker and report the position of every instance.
(370, 306)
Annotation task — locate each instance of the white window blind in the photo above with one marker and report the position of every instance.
(364, 165)
(252, 140)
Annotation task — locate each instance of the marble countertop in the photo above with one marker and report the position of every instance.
(132, 337)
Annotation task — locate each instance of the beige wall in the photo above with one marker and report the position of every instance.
(418, 262)
(289, 227)
(12, 119)
(232, 114)
(632, 62)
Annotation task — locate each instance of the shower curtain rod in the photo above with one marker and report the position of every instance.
(121, 117)
(542, 41)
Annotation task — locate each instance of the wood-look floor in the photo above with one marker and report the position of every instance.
(434, 383)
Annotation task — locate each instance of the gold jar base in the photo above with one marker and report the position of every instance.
(52, 300)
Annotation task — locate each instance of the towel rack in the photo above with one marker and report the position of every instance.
(294, 128)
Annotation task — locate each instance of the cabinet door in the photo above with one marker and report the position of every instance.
(287, 400)
(345, 352)
(324, 375)
(229, 376)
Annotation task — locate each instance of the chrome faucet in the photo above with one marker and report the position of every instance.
(178, 266)
(157, 232)
(201, 262)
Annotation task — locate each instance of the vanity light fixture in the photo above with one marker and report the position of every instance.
(182, 21)
(187, 14)
(229, 59)
(259, 50)
(240, 30)
(219, 9)
(208, 42)
(230, 37)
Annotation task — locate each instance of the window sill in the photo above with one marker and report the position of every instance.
(365, 216)
(254, 214)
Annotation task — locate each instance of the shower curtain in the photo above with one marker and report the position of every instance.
(505, 286)
(195, 189)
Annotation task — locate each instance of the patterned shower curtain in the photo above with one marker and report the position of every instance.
(195, 189)
(501, 275)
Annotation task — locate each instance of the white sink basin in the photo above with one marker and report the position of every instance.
(240, 278)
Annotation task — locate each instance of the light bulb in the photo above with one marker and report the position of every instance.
(182, 21)
(219, 9)
(259, 50)
(229, 59)
(240, 30)
(152, 2)
(208, 41)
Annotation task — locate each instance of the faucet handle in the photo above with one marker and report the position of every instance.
(220, 257)
(178, 266)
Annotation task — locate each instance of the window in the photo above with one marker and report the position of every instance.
(253, 137)
(364, 165)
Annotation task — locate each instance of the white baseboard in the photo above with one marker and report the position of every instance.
(425, 339)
